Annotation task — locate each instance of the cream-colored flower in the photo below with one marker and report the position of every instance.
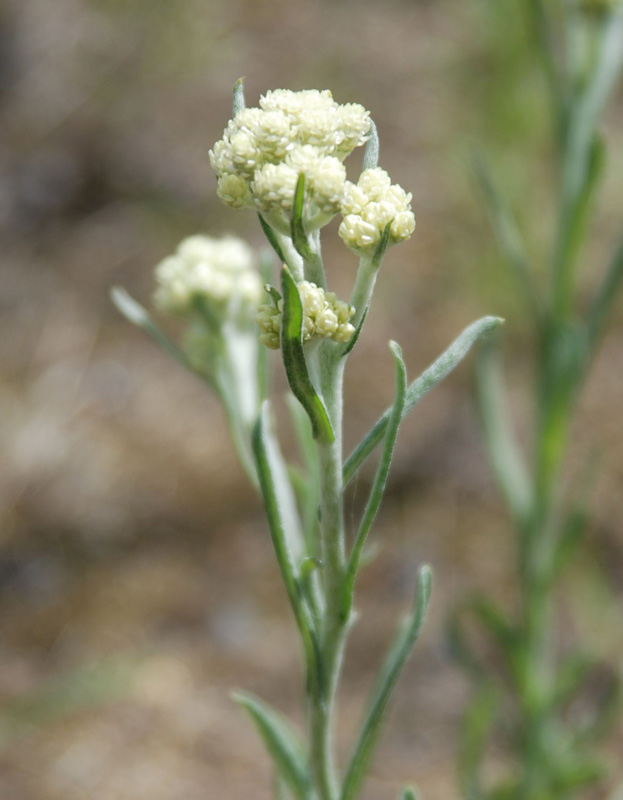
(263, 151)
(324, 316)
(218, 272)
(234, 191)
(370, 206)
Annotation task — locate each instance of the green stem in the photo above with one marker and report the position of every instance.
(333, 557)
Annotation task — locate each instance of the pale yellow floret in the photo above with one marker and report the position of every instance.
(216, 271)
(234, 191)
(370, 206)
(324, 316)
(302, 131)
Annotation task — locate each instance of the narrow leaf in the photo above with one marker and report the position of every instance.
(380, 480)
(353, 339)
(435, 373)
(263, 363)
(297, 229)
(601, 307)
(137, 315)
(371, 153)
(239, 103)
(506, 461)
(398, 655)
(294, 360)
(507, 234)
(494, 621)
(309, 494)
(283, 746)
(278, 502)
(379, 253)
(475, 730)
(271, 236)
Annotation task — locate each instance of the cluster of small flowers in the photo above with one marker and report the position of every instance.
(323, 315)
(219, 271)
(369, 206)
(264, 150)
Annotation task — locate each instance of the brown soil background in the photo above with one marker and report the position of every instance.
(136, 577)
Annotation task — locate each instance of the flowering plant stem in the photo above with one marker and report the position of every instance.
(265, 158)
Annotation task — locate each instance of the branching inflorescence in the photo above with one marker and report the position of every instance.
(285, 161)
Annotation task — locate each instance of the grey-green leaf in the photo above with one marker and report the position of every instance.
(435, 373)
(371, 153)
(380, 479)
(283, 746)
(398, 655)
(294, 360)
(287, 543)
(137, 315)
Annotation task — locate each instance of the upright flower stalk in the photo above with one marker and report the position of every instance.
(532, 699)
(284, 160)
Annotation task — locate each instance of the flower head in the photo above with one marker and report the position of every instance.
(369, 206)
(264, 150)
(218, 272)
(324, 316)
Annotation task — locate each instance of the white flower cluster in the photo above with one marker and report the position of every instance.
(219, 271)
(369, 206)
(323, 315)
(264, 150)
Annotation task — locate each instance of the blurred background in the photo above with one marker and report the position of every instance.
(137, 582)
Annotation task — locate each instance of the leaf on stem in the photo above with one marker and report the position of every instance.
(379, 253)
(309, 494)
(371, 153)
(507, 234)
(137, 315)
(281, 742)
(601, 307)
(297, 229)
(435, 373)
(239, 103)
(398, 655)
(263, 363)
(380, 480)
(475, 730)
(506, 461)
(279, 505)
(294, 360)
(273, 241)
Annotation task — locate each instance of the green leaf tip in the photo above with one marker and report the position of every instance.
(283, 746)
(401, 649)
(238, 101)
(294, 360)
(297, 228)
(128, 306)
(420, 387)
(271, 236)
(371, 153)
(408, 794)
